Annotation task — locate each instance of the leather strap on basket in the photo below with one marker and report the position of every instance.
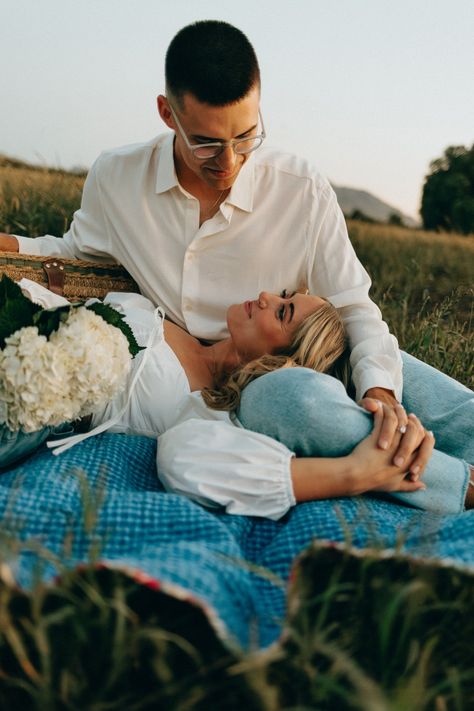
(54, 270)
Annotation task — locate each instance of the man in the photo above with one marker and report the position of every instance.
(203, 217)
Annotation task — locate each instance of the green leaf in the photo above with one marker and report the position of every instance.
(114, 318)
(49, 320)
(16, 310)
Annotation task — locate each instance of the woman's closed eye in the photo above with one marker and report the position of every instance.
(282, 312)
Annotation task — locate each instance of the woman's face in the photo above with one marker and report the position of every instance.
(268, 324)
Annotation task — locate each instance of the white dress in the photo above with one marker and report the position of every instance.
(202, 453)
(153, 405)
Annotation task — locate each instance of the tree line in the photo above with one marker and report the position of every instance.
(448, 192)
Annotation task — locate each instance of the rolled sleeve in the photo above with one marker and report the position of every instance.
(47, 245)
(222, 466)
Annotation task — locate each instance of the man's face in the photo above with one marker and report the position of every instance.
(203, 123)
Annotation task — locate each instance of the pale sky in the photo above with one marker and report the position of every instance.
(369, 90)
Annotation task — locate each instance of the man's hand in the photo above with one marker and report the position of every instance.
(415, 437)
(8, 243)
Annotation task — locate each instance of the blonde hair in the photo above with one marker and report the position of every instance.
(319, 343)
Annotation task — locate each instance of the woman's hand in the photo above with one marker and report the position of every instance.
(396, 422)
(367, 468)
(395, 414)
(373, 469)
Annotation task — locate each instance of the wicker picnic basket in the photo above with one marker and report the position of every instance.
(74, 279)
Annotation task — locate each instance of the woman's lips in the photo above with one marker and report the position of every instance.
(248, 308)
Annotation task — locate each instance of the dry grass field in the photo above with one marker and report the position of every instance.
(32, 200)
(424, 284)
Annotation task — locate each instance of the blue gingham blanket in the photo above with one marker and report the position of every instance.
(102, 502)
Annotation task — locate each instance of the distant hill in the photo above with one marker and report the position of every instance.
(351, 199)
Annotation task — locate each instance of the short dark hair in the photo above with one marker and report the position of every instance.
(212, 60)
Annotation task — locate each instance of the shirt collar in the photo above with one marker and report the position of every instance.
(166, 177)
(241, 194)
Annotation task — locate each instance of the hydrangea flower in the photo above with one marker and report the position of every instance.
(82, 366)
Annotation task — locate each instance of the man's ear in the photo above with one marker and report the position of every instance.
(165, 112)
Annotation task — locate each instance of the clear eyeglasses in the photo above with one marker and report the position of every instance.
(202, 151)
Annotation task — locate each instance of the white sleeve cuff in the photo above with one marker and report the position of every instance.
(219, 465)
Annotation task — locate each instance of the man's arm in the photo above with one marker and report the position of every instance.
(8, 243)
(336, 273)
(375, 357)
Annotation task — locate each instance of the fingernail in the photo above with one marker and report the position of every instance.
(422, 487)
(430, 432)
(399, 461)
(383, 444)
(416, 469)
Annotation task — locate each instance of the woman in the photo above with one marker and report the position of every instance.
(176, 364)
(312, 415)
(270, 479)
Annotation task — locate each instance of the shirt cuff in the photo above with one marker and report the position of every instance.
(376, 379)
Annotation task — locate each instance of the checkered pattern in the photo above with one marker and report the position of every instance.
(104, 495)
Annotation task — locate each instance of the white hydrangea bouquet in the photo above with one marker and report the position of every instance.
(58, 365)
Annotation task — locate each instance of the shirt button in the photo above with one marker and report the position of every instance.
(187, 305)
(189, 257)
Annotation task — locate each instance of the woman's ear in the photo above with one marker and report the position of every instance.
(165, 111)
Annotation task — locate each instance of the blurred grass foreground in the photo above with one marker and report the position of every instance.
(365, 630)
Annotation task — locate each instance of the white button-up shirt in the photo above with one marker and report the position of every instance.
(280, 227)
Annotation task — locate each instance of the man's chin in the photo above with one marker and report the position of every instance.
(220, 180)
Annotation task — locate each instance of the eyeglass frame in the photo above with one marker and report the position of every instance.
(222, 145)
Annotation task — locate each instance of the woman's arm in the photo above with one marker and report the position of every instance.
(220, 465)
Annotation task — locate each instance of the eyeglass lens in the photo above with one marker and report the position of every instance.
(246, 145)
